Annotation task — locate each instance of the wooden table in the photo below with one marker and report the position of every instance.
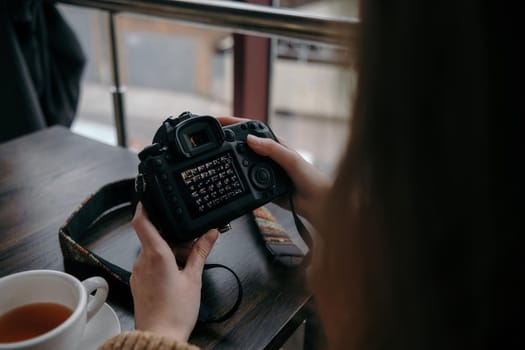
(44, 176)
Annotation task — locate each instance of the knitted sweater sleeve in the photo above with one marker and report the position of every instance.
(139, 340)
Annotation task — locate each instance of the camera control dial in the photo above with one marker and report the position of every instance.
(261, 177)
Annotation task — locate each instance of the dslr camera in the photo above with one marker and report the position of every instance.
(197, 175)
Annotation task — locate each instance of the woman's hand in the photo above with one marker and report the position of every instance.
(311, 185)
(166, 298)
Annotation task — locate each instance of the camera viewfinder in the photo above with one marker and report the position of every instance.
(199, 138)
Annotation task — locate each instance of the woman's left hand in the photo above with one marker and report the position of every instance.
(166, 298)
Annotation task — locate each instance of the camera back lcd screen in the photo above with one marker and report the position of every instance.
(211, 184)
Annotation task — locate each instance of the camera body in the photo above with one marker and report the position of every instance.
(198, 175)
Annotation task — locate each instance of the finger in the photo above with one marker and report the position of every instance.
(282, 141)
(200, 251)
(146, 232)
(287, 158)
(231, 120)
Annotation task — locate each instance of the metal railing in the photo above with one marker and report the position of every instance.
(227, 15)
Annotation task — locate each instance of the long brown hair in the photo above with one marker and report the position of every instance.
(420, 246)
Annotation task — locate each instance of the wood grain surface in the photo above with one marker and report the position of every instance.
(44, 176)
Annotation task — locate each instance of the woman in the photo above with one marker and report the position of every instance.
(420, 246)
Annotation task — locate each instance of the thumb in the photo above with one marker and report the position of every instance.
(287, 158)
(200, 251)
(147, 233)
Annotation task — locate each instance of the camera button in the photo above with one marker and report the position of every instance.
(245, 162)
(178, 211)
(229, 135)
(243, 126)
(157, 162)
(150, 151)
(262, 175)
(163, 177)
(241, 147)
(252, 125)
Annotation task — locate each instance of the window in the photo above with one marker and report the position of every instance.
(169, 67)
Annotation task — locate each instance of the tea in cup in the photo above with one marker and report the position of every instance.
(47, 309)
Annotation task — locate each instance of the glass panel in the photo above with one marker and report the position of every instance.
(311, 92)
(169, 68)
(166, 67)
(94, 114)
(312, 87)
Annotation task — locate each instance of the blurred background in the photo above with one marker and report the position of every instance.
(168, 67)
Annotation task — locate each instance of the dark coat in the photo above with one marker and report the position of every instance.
(41, 65)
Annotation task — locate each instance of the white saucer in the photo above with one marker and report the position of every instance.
(103, 325)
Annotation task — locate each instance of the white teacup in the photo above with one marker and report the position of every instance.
(49, 286)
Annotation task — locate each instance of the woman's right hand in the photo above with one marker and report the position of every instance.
(311, 186)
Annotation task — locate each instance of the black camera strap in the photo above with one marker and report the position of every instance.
(304, 233)
(119, 197)
(80, 261)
